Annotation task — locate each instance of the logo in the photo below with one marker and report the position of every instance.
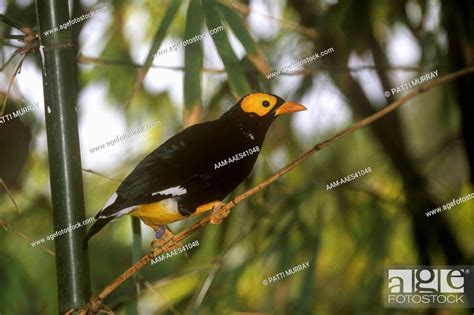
(428, 286)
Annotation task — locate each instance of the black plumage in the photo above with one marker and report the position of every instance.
(185, 166)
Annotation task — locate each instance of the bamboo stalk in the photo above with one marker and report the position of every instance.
(67, 195)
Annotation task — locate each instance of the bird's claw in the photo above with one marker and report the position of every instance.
(219, 214)
(166, 240)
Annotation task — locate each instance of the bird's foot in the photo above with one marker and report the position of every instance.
(219, 213)
(165, 240)
(160, 232)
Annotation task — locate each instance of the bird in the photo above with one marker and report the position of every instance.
(194, 170)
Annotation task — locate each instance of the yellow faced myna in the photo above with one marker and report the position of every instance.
(196, 169)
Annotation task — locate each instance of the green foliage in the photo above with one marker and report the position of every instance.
(236, 76)
(193, 57)
(349, 234)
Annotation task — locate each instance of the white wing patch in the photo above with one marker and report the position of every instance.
(173, 191)
(110, 201)
(118, 213)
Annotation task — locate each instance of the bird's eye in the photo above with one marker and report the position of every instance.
(265, 103)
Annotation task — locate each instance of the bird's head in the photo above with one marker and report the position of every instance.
(261, 109)
(267, 105)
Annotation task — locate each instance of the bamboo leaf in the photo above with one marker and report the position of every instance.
(193, 61)
(241, 31)
(236, 76)
(162, 30)
(157, 41)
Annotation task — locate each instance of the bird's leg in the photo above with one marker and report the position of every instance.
(160, 232)
(164, 238)
(218, 214)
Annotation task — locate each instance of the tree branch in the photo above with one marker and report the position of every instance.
(305, 71)
(10, 195)
(101, 175)
(11, 22)
(246, 10)
(9, 228)
(95, 303)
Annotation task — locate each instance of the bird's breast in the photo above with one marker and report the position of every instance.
(158, 213)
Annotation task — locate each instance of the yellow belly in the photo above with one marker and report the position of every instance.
(159, 213)
(165, 212)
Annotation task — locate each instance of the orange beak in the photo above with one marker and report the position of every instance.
(289, 107)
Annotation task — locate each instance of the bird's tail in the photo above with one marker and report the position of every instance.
(96, 227)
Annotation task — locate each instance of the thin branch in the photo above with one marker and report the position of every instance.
(101, 175)
(6, 44)
(11, 22)
(17, 70)
(244, 9)
(15, 53)
(108, 62)
(10, 195)
(18, 37)
(320, 68)
(9, 228)
(95, 303)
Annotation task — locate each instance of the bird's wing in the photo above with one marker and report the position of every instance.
(164, 173)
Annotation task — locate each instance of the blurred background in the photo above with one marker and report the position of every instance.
(421, 157)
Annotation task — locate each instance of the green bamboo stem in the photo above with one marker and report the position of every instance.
(60, 97)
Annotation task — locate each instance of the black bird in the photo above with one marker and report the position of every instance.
(197, 168)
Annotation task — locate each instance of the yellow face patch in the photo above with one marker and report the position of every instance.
(258, 103)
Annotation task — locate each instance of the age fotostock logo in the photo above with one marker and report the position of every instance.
(427, 286)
